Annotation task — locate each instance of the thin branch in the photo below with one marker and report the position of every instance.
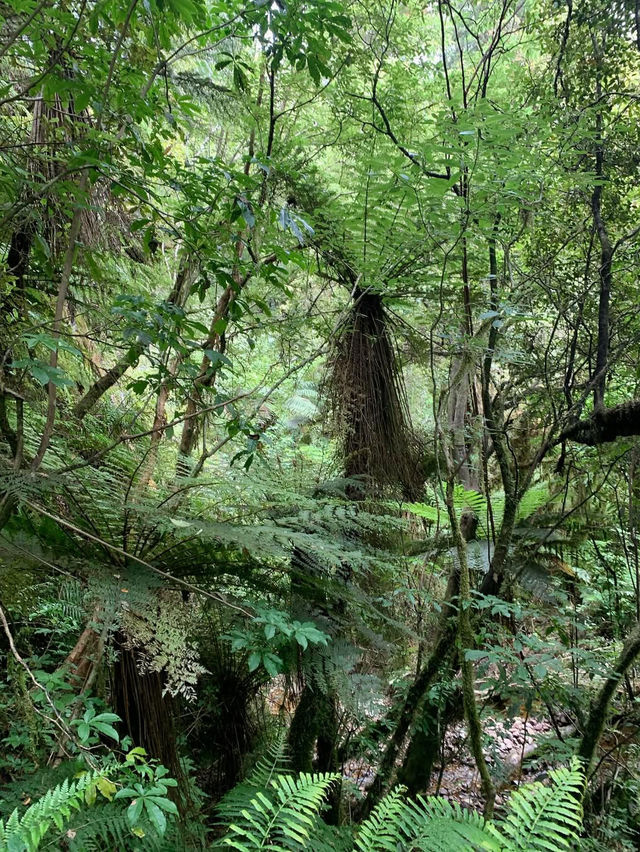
(184, 583)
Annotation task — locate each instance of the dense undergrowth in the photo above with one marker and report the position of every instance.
(319, 425)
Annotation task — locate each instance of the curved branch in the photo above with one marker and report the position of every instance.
(621, 421)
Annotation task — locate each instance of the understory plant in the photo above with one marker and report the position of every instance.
(284, 812)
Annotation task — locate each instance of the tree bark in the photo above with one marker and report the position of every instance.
(207, 376)
(147, 714)
(443, 647)
(466, 642)
(604, 272)
(107, 381)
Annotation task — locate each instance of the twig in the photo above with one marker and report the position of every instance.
(57, 720)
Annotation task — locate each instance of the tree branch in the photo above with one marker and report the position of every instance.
(604, 426)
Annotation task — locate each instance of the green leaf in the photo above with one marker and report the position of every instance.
(157, 817)
(108, 730)
(471, 654)
(134, 810)
(127, 792)
(106, 717)
(137, 753)
(39, 374)
(166, 804)
(90, 794)
(272, 664)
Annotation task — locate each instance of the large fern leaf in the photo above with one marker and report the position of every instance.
(538, 817)
(283, 817)
(106, 827)
(432, 824)
(436, 825)
(543, 817)
(381, 830)
(272, 763)
(24, 834)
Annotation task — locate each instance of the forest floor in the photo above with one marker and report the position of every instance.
(456, 777)
(512, 741)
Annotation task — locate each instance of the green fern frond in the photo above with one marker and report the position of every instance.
(106, 827)
(532, 500)
(544, 817)
(381, 830)
(538, 817)
(283, 817)
(436, 825)
(274, 762)
(24, 834)
(432, 824)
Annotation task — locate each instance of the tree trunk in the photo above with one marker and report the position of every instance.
(84, 659)
(147, 715)
(107, 381)
(443, 647)
(604, 272)
(597, 716)
(178, 296)
(207, 375)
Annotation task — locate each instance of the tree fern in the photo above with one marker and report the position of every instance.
(281, 818)
(531, 501)
(24, 834)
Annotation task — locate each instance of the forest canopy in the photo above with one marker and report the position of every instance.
(319, 425)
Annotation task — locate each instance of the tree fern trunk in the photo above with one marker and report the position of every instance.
(147, 715)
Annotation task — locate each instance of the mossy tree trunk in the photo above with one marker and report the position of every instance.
(598, 714)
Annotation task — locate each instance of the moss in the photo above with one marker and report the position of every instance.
(422, 752)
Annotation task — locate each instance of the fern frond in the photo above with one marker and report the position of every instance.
(106, 827)
(381, 830)
(539, 817)
(433, 824)
(274, 762)
(283, 817)
(436, 825)
(532, 500)
(24, 834)
(544, 817)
